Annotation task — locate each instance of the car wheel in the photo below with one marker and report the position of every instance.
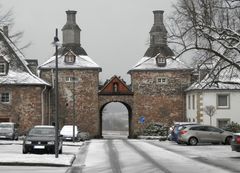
(228, 140)
(192, 141)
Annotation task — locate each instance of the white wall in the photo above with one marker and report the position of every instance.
(210, 98)
(191, 114)
(232, 113)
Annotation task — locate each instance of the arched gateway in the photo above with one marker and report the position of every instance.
(116, 90)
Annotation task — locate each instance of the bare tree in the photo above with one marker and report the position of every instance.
(209, 30)
(210, 111)
(7, 19)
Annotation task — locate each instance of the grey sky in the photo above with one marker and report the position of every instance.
(114, 32)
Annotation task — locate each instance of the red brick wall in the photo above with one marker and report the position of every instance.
(25, 107)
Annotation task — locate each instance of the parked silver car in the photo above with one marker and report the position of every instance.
(235, 144)
(8, 130)
(194, 134)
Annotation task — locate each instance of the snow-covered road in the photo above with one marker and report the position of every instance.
(131, 156)
(134, 156)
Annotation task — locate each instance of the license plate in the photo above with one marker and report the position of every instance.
(68, 138)
(2, 136)
(39, 147)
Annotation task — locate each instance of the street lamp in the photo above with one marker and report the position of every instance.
(55, 42)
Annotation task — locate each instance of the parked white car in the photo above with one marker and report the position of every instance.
(67, 133)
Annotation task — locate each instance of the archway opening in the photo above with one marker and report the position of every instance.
(115, 120)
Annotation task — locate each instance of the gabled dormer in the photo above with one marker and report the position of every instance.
(69, 57)
(4, 66)
(115, 86)
(161, 61)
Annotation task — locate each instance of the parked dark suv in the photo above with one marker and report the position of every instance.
(41, 138)
(8, 130)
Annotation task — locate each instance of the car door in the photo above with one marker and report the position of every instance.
(214, 134)
(200, 133)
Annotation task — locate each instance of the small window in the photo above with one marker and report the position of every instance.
(189, 102)
(193, 101)
(223, 101)
(161, 61)
(3, 69)
(162, 80)
(70, 58)
(223, 122)
(115, 87)
(5, 97)
(71, 79)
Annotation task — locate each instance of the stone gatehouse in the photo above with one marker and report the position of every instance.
(156, 91)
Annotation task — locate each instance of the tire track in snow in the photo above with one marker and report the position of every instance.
(113, 157)
(147, 157)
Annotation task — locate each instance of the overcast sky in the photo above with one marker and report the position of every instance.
(114, 32)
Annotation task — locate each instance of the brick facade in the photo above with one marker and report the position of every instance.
(25, 106)
(85, 89)
(162, 103)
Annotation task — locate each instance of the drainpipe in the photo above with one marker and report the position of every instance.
(42, 100)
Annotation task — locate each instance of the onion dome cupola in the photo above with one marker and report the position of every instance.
(71, 35)
(158, 38)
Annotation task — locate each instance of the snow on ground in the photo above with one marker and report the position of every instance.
(11, 153)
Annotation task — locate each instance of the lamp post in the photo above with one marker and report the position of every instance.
(55, 42)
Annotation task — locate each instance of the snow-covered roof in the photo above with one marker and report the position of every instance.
(228, 79)
(149, 63)
(81, 62)
(18, 73)
(21, 78)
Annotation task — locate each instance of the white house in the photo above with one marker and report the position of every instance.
(223, 95)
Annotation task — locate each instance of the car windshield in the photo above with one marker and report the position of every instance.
(42, 132)
(6, 126)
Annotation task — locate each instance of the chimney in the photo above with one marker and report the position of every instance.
(158, 17)
(32, 65)
(158, 33)
(71, 31)
(5, 30)
(71, 17)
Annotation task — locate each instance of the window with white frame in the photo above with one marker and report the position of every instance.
(70, 58)
(162, 80)
(71, 79)
(3, 69)
(5, 97)
(193, 101)
(223, 101)
(161, 60)
(189, 102)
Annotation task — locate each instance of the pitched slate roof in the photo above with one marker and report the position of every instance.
(81, 62)
(150, 64)
(18, 73)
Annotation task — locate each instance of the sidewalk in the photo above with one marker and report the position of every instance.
(11, 154)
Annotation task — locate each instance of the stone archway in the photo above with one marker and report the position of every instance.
(126, 100)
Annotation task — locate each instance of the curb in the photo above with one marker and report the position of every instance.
(38, 164)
